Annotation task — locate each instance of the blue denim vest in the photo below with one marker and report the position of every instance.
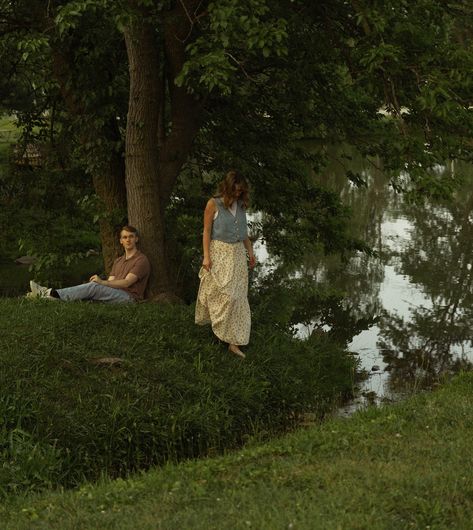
(228, 228)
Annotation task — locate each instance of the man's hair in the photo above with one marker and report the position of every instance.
(129, 228)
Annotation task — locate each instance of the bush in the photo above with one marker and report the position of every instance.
(176, 393)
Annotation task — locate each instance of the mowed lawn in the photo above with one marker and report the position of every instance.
(408, 465)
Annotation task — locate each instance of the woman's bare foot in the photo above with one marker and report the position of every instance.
(236, 350)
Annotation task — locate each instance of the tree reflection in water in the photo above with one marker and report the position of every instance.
(435, 340)
(418, 344)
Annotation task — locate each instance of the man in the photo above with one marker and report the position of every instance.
(126, 283)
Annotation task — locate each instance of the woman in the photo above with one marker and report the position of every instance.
(223, 293)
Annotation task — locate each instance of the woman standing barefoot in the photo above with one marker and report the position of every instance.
(223, 293)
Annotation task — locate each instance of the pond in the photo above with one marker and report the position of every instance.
(414, 295)
(15, 277)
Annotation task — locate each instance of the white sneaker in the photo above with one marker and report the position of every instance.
(38, 291)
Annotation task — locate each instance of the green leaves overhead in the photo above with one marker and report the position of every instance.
(32, 45)
(273, 85)
(69, 15)
(233, 34)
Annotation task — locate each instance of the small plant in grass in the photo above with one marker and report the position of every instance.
(27, 465)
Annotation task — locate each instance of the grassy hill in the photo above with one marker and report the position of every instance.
(408, 465)
(170, 392)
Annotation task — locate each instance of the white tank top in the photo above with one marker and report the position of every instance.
(232, 210)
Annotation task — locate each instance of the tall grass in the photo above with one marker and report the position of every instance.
(175, 393)
(402, 466)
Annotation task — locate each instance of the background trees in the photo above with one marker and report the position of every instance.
(172, 93)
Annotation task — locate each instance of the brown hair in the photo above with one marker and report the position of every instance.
(129, 228)
(227, 188)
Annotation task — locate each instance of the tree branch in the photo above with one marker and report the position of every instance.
(186, 110)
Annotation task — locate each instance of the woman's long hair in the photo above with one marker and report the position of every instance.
(229, 184)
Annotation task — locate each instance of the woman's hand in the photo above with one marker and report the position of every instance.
(251, 254)
(207, 264)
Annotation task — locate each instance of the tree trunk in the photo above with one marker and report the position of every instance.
(110, 188)
(109, 178)
(155, 150)
(142, 163)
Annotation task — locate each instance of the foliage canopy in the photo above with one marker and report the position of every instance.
(264, 86)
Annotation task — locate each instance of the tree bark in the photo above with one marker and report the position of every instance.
(142, 167)
(110, 188)
(154, 159)
(186, 110)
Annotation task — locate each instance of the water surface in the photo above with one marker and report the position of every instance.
(413, 299)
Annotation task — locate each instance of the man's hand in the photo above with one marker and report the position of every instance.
(96, 278)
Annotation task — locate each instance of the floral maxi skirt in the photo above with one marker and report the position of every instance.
(223, 293)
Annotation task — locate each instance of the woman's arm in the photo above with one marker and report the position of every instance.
(249, 249)
(209, 213)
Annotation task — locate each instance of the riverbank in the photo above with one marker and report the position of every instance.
(407, 465)
(92, 390)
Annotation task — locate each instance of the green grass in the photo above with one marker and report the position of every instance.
(177, 393)
(8, 135)
(404, 466)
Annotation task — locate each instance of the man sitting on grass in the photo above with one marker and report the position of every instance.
(126, 283)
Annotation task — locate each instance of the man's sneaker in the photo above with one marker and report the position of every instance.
(38, 291)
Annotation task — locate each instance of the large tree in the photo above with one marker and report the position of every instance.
(291, 71)
(165, 114)
(260, 85)
(66, 88)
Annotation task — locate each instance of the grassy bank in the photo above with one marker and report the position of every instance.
(404, 466)
(174, 393)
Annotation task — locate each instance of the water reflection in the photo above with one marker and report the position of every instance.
(415, 294)
(436, 338)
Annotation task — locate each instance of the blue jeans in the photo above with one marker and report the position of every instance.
(94, 291)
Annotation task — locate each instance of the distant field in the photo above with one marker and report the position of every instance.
(8, 129)
(8, 135)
